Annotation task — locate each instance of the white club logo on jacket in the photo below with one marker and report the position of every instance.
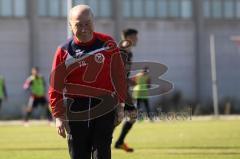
(99, 58)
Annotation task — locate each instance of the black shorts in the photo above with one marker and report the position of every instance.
(36, 101)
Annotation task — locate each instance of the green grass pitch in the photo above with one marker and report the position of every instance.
(189, 139)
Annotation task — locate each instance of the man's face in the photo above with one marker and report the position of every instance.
(82, 27)
(34, 71)
(133, 38)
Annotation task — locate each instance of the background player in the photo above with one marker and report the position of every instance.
(129, 40)
(35, 83)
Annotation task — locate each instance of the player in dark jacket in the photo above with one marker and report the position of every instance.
(129, 40)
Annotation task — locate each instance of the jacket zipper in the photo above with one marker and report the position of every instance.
(89, 107)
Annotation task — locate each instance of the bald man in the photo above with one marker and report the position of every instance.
(87, 88)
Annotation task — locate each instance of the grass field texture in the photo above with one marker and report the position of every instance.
(190, 139)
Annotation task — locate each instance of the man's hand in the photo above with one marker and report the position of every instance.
(119, 114)
(60, 127)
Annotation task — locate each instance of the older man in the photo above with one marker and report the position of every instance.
(87, 88)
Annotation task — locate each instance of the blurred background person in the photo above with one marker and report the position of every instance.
(3, 91)
(35, 83)
(140, 90)
(129, 40)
